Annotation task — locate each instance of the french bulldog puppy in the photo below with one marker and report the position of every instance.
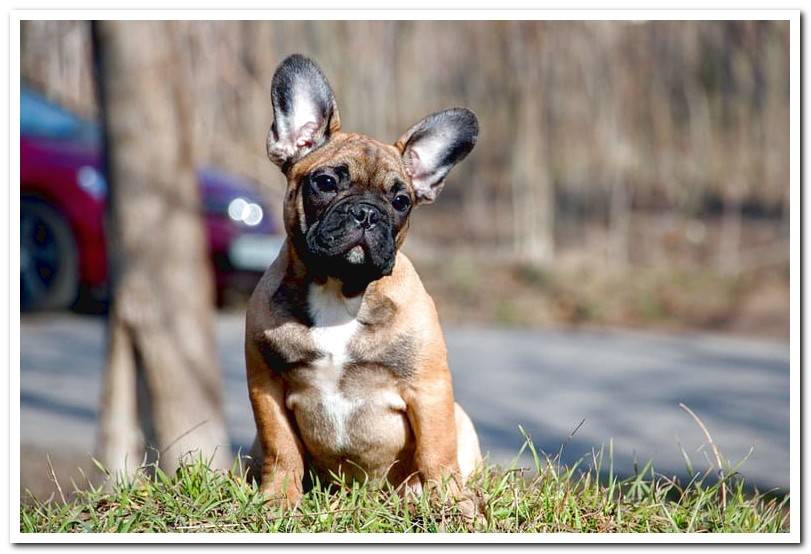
(346, 361)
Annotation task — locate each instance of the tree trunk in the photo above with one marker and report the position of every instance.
(619, 243)
(533, 195)
(729, 248)
(161, 328)
(533, 198)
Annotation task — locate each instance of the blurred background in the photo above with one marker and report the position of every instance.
(618, 241)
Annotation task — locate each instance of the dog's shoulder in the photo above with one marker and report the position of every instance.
(280, 295)
(277, 321)
(406, 287)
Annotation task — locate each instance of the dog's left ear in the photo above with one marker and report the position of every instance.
(305, 113)
(434, 145)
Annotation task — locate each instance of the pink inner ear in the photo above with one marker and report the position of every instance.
(412, 163)
(306, 135)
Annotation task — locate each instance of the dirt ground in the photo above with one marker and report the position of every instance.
(662, 298)
(669, 274)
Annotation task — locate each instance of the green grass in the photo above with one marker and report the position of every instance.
(547, 498)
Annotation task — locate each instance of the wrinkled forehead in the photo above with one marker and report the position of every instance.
(368, 160)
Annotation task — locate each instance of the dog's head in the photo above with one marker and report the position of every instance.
(349, 197)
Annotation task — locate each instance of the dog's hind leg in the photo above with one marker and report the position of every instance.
(468, 453)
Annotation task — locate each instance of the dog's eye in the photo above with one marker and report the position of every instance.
(401, 202)
(325, 183)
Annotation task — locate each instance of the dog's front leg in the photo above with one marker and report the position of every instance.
(431, 414)
(282, 467)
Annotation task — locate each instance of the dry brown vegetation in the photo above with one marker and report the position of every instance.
(639, 170)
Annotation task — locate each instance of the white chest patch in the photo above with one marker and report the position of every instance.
(334, 324)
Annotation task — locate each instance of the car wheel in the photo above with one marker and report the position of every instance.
(49, 261)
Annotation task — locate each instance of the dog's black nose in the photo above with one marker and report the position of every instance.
(365, 215)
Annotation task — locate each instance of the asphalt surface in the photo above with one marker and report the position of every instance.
(625, 385)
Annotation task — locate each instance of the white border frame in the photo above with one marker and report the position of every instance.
(793, 16)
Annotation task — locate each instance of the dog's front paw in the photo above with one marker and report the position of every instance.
(283, 490)
(446, 496)
(411, 488)
(471, 507)
(465, 502)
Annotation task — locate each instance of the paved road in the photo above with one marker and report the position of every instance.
(625, 385)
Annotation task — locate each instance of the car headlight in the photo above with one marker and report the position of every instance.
(245, 211)
(92, 181)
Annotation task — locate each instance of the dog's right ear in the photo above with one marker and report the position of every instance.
(304, 111)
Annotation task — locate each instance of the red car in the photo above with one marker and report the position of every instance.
(62, 201)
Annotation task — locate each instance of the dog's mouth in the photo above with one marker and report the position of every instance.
(356, 255)
(353, 240)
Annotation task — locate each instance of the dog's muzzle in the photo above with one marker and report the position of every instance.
(354, 238)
